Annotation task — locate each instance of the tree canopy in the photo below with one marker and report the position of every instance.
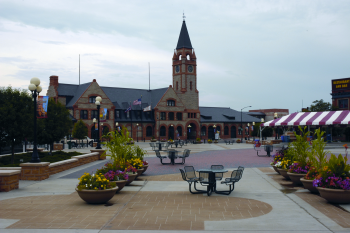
(16, 114)
(56, 125)
(80, 131)
(320, 106)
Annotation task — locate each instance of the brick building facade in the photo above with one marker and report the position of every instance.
(175, 111)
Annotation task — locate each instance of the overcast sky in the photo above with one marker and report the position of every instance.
(267, 54)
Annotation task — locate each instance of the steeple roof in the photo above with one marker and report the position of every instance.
(184, 38)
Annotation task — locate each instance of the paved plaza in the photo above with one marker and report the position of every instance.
(160, 201)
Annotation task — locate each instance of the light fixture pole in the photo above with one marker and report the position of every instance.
(253, 129)
(94, 120)
(137, 132)
(117, 127)
(242, 123)
(98, 104)
(262, 121)
(275, 116)
(248, 131)
(189, 126)
(35, 89)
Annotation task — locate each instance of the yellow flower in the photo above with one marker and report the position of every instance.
(101, 186)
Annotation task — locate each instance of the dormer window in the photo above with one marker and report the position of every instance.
(92, 99)
(170, 103)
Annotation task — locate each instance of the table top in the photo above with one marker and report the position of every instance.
(208, 170)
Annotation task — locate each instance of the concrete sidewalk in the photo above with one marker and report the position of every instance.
(261, 202)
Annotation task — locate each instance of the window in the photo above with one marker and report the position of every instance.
(226, 130)
(218, 128)
(194, 115)
(83, 114)
(162, 115)
(94, 114)
(138, 115)
(179, 131)
(128, 114)
(177, 85)
(171, 116)
(179, 116)
(92, 99)
(162, 131)
(191, 85)
(203, 131)
(107, 116)
(149, 131)
(117, 114)
(170, 103)
(343, 103)
(188, 115)
(191, 115)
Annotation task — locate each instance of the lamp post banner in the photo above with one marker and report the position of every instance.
(103, 114)
(42, 103)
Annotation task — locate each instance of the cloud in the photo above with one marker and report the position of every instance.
(53, 42)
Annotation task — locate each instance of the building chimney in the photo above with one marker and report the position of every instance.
(54, 81)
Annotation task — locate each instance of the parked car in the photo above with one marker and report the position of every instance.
(87, 139)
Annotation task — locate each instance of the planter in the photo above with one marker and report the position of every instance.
(139, 172)
(120, 184)
(283, 173)
(153, 140)
(96, 196)
(198, 142)
(308, 185)
(295, 177)
(144, 168)
(337, 196)
(276, 169)
(132, 177)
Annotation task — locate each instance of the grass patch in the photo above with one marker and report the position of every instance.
(56, 156)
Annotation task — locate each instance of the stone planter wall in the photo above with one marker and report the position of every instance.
(9, 180)
(35, 171)
(58, 146)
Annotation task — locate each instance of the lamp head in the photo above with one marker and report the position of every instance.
(94, 120)
(262, 120)
(35, 81)
(39, 89)
(98, 98)
(116, 124)
(97, 103)
(32, 87)
(248, 124)
(253, 123)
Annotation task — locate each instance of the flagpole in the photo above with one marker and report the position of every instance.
(141, 118)
(131, 121)
(149, 77)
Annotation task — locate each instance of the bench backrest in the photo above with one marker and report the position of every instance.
(190, 173)
(183, 174)
(236, 175)
(158, 154)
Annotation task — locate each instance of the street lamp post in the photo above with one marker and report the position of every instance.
(137, 132)
(189, 126)
(214, 126)
(248, 131)
(242, 123)
(116, 127)
(276, 131)
(35, 89)
(98, 103)
(262, 121)
(253, 129)
(94, 121)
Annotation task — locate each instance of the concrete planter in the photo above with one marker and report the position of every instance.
(120, 184)
(308, 185)
(144, 168)
(139, 172)
(275, 168)
(132, 177)
(96, 196)
(337, 196)
(295, 177)
(283, 173)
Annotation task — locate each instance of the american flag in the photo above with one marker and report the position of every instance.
(128, 109)
(137, 102)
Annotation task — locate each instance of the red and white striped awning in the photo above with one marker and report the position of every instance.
(312, 118)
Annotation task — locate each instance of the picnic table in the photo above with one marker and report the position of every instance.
(207, 177)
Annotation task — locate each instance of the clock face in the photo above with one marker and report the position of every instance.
(177, 69)
(190, 68)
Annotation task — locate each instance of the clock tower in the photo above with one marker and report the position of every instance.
(185, 71)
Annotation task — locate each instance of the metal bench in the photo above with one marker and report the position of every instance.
(153, 145)
(267, 148)
(218, 176)
(236, 175)
(193, 180)
(185, 155)
(161, 157)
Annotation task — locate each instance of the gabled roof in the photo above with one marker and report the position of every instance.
(219, 114)
(120, 97)
(184, 39)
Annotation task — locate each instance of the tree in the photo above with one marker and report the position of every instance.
(16, 114)
(55, 126)
(267, 131)
(320, 106)
(80, 131)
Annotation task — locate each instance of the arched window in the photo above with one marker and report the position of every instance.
(188, 57)
(191, 85)
(162, 131)
(179, 116)
(149, 131)
(170, 103)
(226, 130)
(180, 57)
(203, 130)
(177, 85)
(92, 99)
(171, 116)
(179, 131)
(218, 128)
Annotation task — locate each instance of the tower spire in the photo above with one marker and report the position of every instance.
(184, 39)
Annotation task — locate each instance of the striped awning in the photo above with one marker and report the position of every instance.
(312, 118)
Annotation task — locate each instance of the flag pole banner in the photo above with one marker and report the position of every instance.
(137, 102)
(146, 109)
(42, 103)
(103, 114)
